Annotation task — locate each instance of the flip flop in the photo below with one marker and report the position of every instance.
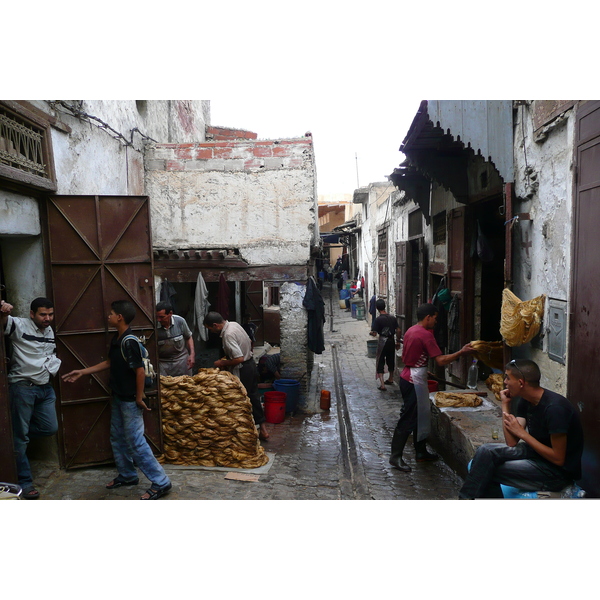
(389, 382)
(382, 389)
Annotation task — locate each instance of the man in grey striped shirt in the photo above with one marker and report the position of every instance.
(31, 395)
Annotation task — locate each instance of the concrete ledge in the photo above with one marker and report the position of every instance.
(457, 434)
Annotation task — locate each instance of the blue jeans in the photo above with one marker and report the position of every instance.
(517, 466)
(33, 414)
(129, 446)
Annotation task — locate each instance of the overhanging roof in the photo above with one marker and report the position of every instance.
(446, 135)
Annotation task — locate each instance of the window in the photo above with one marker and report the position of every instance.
(415, 223)
(25, 151)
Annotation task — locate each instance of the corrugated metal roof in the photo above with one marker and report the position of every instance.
(483, 125)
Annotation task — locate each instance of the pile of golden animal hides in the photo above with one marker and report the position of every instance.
(452, 400)
(520, 320)
(495, 383)
(207, 421)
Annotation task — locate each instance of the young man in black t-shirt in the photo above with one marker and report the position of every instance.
(130, 448)
(387, 327)
(544, 440)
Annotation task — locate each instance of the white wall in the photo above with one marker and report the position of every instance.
(543, 186)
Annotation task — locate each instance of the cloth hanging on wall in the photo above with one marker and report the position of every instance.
(453, 326)
(201, 308)
(167, 294)
(223, 297)
(313, 303)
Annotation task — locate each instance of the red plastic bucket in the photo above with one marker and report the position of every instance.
(433, 385)
(275, 406)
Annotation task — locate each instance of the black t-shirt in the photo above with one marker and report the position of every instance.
(122, 372)
(385, 326)
(555, 414)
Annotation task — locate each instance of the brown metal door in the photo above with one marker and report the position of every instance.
(100, 250)
(8, 469)
(254, 307)
(403, 295)
(584, 326)
(457, 279)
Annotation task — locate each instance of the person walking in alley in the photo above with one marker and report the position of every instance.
(239, 361)
(31, 395)
(419, 346)
(387, 327)
(176, 353)
(544, 440)
(129, 446)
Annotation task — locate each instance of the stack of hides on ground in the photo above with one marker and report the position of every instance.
(451, 400)
(207, 421)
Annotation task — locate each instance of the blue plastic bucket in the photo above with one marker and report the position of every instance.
(292, 388)
(344, 294)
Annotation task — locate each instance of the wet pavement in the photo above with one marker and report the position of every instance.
(334, 455)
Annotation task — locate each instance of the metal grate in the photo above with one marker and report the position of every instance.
(21, 144)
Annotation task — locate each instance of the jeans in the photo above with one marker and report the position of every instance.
(249, 378)
(517, 466)
(33, 414)
(129, 446)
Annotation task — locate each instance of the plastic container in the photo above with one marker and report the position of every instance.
(275, 406)
(473, 375)
(342, 304)
(360, 311)
(432, 385)
(344, 294)
(372, 348)
(292, 388)
(325, 400)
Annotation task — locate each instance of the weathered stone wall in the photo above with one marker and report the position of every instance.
(542, 246)
(258, 196)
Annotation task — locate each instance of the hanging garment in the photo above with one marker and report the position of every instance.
(453, 325)
(223, 297)
(168, 293)
(201, 308)
(313, 303)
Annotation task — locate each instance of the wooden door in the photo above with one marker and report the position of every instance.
(403, 293)
(253, 292)
(456, 278)
(99, 250)
(584, 325)
(8, 468)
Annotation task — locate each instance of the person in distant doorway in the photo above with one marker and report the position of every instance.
(387, 327)
(176, 353)
(239, 361)
(31, 395)
(544, 440)
(129, 446)
(419, 346)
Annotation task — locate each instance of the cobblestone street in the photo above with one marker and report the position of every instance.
(340, 454)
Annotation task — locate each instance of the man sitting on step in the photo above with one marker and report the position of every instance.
(544, 440)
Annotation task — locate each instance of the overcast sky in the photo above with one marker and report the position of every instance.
(355, 143)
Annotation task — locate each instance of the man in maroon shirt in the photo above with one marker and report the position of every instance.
(415, 416)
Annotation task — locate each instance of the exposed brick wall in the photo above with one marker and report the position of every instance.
(217, 134)
(239, 155)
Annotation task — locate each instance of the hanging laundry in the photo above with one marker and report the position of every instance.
(313, 303)
(168, 293)
(201, 308)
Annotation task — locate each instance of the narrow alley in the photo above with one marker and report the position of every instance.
(337, 455)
